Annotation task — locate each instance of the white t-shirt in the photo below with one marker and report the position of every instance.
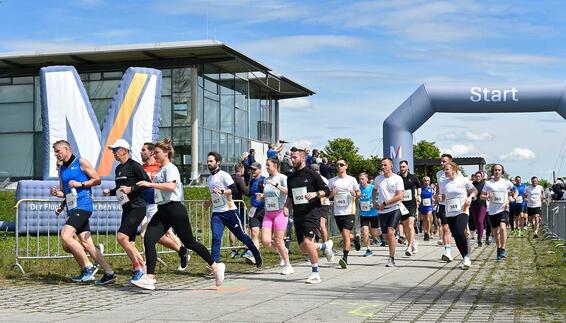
(324, 200)
(220, 202)
(387, 187)
(534, 194)
(499, 201)
(441, 179)
(166, 174)
(344, 203)
(456, 193)
(273, 197)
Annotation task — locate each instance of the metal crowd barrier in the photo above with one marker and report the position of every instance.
(554, 218)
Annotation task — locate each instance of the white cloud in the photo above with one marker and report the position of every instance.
(468, 135)
(298, 104)
(460, 150)
(300, 44)
(40, 46)
(519, 154)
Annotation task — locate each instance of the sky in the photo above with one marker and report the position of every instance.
(363, 59)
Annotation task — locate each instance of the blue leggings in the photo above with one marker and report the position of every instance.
(231, 220)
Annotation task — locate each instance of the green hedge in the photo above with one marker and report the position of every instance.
(7, 202)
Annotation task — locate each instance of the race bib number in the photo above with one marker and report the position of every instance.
(498, 197)
(71, 200)
(299, 195)
(427, 202)
(403, 209)
(122, 197)
(341, 200)
(272, 203)
(519, 199)
(365, 206)
(252, 212)
(535, 198)
(454, 205)
(218, 200)
(157, 196)
(407, 195)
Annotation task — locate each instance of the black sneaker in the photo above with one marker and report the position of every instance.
(480, 244)
(426, 237)
(259, 261)
(183, 258)
(106, 279)
(535, 235)
(357, 242)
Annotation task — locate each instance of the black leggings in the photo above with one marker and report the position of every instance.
(171, 215)
(457, 226)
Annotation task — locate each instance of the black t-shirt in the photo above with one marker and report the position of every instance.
(411, 182)
(478, 201)
(310, 179)
(128, 174)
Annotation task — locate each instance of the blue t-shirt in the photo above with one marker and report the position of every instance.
(74, 172)
(271, 153)
(426, 196)
(255, 188)
(521, 189)
(365, 199)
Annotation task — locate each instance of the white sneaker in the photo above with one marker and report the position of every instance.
(447, 256)
(414, 247)
(314, 278)
(219, 273)
(281, 262)
(440, 242)
(467, 263)
(408, 252)
(144, 282)
(249, 257)
(288, 270)
(328, 251)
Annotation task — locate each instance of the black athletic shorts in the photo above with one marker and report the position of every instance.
(131, 220)
(370, 221)
(78, 219)
(307, 225)
(389, 220)
(441, 214)
(516, 209)
(325, 211)
(257, 220)
(412, 213)
(345, 222)
(531, 211)
(498, 218)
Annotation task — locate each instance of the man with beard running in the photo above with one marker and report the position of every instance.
(306, 187)
(534, 196)
(411, 193)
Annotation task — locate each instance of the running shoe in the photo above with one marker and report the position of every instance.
(78, 278)
(329, 251)
(408, 252)
(503, 254)
(390, 263)
(440, 242)
(535, 236)
(287, 270)
(480, 244)
(447, 256)
(314, 278)
(106, 279)
(383, 242)
(184, 258)
(234, 253)
(343, 263)
(219, 273)
(258, 261)
(368, 253)
(414, 247)
(401, 240)
(89, 274)
(138, 274)
(249, 257)
(467, 263)
(357, 242)
(144, 282)
(426, 237)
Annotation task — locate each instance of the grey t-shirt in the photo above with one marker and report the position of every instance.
(166, 174)
(271, 193)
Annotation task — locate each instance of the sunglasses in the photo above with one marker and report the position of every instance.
(115, 149)
(340, 164)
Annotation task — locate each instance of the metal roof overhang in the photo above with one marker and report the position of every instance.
(157, 55)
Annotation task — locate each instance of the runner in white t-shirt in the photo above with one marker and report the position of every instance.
(496, 191)
(445, 236)
(457, 193)
(345, 189)
(387, 195)
(534, 196)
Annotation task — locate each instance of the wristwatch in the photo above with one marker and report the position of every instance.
(276, 185)
(222, 191)
(317, 193)
(82, 184)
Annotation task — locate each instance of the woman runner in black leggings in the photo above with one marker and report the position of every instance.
(171, 213)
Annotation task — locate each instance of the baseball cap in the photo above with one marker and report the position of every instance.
(299, 148)
(255, 165)
(120, 143)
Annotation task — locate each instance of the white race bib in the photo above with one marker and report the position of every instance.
(157, 196)
(498, 197)
(218, 200)
(427, 202)
(252, 212)
(535, 198)
(365, 206)
(453, 205)
(71, 200)
(519, 199)
(407, 195)
(122, 197)
(272, 203)
(341, 200)
(299, 195)
(403, 209)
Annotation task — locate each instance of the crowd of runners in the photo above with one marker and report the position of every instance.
(393, 209)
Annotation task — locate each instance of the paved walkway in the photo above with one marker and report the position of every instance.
(421, 288)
